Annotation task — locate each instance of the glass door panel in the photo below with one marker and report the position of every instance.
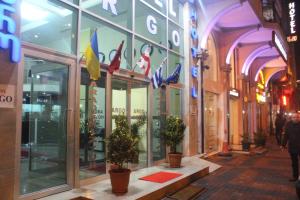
(44, 125)
(119, 99)
(92, 144)
(139, 110)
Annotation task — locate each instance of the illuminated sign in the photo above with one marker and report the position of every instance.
(194, 51)
(234, 93)
(260, 90)
(284, 100)
(7, 30)
(279, 45)
(292, 36)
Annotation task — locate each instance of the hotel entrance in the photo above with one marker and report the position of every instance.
(47, 137)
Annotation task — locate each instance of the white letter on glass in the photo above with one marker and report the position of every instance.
(112, 5)
(151, 24)
(171, 9)
(175, 38)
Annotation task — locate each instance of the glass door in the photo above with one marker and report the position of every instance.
(130, 98)
(46, 124)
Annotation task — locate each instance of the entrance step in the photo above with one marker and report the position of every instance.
(190, 192)
(192, 169)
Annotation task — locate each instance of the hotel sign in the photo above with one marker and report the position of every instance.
(292, 37)
(8, 39)
(279, 45)
(234, 93)
(7, 96)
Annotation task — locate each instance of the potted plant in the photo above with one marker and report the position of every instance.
(173, 135)
(260, 138)
(122, 147)
(246, 142)
(134, 129)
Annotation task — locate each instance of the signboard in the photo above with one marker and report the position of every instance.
(292, 36)
(234, 93)
(279, 45)
(7, 96)
(8, 29)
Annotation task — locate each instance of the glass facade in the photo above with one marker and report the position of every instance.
(71, 22)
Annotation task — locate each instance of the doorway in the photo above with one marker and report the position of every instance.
(47, 124)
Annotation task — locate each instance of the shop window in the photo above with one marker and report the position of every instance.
(150, 24)
(175, 41)
(119, 12)
(174, 60)
(109, 39)
(157, 55)
(212, 60)
(39, 18)
(92, 108)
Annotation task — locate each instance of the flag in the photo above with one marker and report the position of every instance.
(174, 77)
(144, 62)
(157, 78)
(115, 63)
(92, 58)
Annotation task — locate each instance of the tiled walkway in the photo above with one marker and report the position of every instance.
(253, 177)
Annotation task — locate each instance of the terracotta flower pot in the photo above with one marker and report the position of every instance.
(175, 160)
(119, 180)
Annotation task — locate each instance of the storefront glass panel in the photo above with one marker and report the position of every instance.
(118, 12)
(39, 18)
(92, 144)
(157, 56)
(109, 39)
(176, 11)
(175, 38)
(160, 5)
(139, 109)
(44, 125)
(119, 99)
(174, 60)
(211, 140)
(158, 124)
(150, 24)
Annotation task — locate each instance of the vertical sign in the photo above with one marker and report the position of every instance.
(194, 41)
(8, 39)
(292, 36)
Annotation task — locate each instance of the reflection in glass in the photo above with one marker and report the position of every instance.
(119, 99)
(39, 18)
(44, 125)
(173, 61)
(158, 124)
(92, 146)
(139, 108)
(109, 39)
(210, 122)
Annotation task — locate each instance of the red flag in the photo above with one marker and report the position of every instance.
(115, 63)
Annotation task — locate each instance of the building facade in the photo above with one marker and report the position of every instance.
(227, 49)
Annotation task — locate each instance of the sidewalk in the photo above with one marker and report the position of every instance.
(253, 177)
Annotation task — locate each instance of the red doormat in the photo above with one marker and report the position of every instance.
(161, 177)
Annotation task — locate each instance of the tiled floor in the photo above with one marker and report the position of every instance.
(137, 188)
(256, 177)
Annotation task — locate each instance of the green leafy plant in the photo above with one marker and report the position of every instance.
(141, 120)
(174, 132)
(122, 146)
(260, 138)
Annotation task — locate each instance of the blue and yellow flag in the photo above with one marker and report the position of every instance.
(92, 58)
